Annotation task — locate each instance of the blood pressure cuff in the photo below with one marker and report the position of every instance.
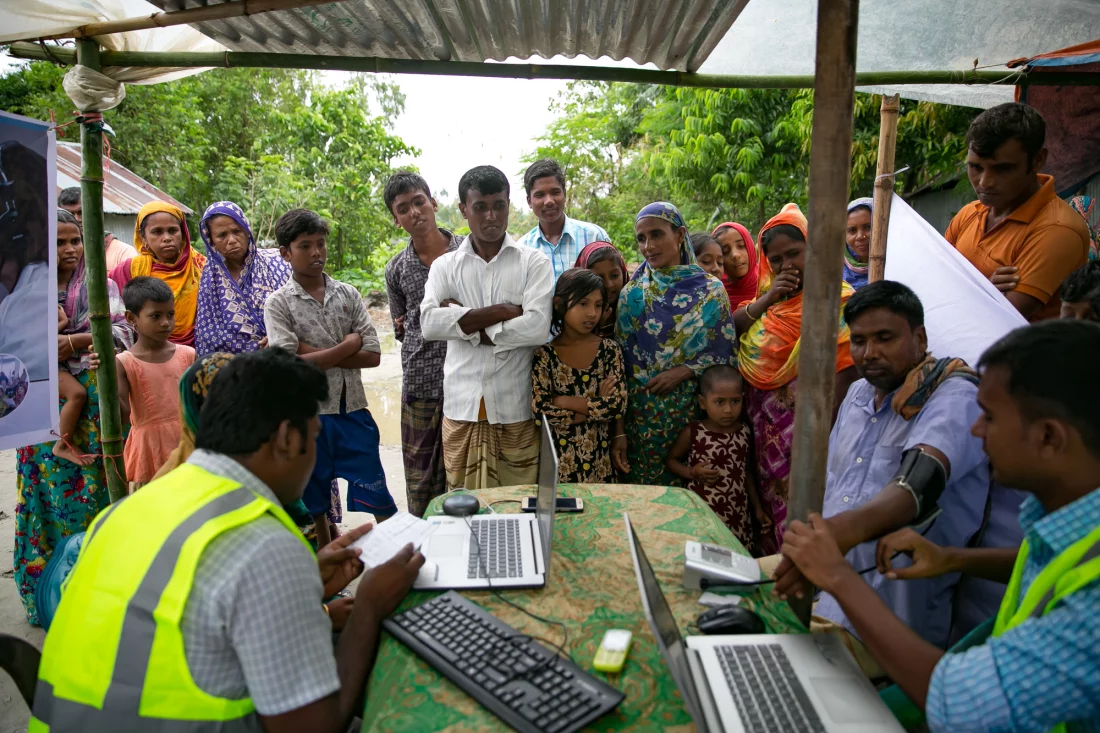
(925, 478)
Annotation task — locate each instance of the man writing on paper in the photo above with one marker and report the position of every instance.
(207, 599)
(1018, 233)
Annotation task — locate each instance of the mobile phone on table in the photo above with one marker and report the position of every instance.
(611, 656)
(565, 504)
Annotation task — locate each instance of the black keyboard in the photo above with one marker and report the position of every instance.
(767, 691)
(498, 541)
(519, 680)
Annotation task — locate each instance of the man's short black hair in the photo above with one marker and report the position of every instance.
(253, 395)
(716, 375)
(485, 179)
(1083, 285)
(542, 169)
(893, 296)
(144, 289)
(403, 182)
(1010, 121)
(1052, 373)
(69, 196)
(297, 222)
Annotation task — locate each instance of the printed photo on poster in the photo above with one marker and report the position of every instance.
(28, 282)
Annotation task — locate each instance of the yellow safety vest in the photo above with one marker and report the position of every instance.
(114, 657)
(1077, 566)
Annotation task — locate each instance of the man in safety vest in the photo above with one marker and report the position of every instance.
(1040, 669)
(195, 603)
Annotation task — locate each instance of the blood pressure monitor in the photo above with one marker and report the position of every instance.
(718, 564)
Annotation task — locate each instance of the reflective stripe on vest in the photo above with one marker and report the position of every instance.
(58, 696)
(1072, 569)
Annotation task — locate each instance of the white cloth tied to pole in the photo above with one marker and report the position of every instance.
(964, 313)
(91, 90)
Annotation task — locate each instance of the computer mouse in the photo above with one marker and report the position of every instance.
(461, 505)
(730, 620)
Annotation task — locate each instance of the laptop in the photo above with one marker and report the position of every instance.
(496, 550)
(761, 683)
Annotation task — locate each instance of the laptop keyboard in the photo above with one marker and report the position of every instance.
(766, 689)
(499, 546)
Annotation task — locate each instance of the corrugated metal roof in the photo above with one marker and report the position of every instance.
(672, 34)
(124, 192)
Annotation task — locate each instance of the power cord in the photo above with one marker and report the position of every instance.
(928, 525)
(561, 650)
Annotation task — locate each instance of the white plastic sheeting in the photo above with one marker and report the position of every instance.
(963, 313)
(27, 19)
(778, 37)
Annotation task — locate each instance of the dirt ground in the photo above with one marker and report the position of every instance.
(383, 386)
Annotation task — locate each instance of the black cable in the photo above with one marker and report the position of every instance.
(561, 649)
(922, 533)
(706, 583)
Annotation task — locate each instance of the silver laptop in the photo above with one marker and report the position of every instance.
(766, 683)
(496, 550)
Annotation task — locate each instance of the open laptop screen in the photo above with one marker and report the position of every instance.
(545, 503)
(663, 625)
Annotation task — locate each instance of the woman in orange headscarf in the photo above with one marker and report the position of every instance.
(770, 328)
(164, 252)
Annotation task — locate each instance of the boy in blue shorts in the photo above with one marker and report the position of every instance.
(325, 322)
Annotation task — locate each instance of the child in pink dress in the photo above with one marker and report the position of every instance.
(717, 449)
(148, 379)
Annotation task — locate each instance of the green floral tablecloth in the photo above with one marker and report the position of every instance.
(592, 588)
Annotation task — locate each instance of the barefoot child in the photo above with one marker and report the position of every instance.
(325, 322)
(717, 450)
(75, 396)
(150, 373)
(708, 253)
(578, 380)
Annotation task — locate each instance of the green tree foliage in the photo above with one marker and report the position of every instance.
(722, 154)
(271, 140)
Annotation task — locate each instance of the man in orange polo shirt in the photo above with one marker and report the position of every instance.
(1018, 233)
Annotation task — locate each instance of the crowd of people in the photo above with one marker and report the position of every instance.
(682, 372)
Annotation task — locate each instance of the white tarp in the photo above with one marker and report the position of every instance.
(963, 313)
(35, 18)
(778, 37)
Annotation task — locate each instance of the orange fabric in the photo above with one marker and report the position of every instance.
(154, 411)
(182, 276)
(789, 214)
(768, 352)
(1081, 49)
(1044, 238)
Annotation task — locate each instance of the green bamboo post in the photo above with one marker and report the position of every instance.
(95, 263)
(242, 59)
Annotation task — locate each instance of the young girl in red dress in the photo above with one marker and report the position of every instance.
(717, 451)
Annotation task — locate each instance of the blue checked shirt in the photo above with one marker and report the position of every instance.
(574, 237)
(1046, 670)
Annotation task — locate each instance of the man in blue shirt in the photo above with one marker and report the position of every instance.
(907, 400)
(1040, 669)
(556, 235)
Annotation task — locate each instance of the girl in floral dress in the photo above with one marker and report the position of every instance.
(578, 381)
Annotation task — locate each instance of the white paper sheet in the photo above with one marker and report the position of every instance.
(713, 600)
(963, 313)
(388, 537)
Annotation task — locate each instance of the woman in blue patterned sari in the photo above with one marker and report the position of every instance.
(674, 321)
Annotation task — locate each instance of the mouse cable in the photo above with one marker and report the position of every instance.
(705, 583)
(927, 527)
(561, 650)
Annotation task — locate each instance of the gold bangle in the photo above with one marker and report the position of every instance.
(69, 336)
(620, 435)
(327, 612)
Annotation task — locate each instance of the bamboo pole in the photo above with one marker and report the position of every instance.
(200, 14)
(830, 173)
(240, 59)
(95, 263)
(884, 185)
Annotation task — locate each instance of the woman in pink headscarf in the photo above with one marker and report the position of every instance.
(741, 271)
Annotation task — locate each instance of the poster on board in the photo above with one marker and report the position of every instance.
(28, 282)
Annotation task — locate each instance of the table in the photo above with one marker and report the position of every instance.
(592, 588)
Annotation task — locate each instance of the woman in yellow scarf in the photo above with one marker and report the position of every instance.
(770, 330)
(164, 252)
